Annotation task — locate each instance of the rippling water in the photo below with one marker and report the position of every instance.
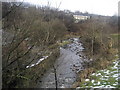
(70, 62)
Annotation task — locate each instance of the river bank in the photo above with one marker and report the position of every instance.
(106, 78)
(72, 66)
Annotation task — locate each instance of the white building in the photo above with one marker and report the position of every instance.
(80, 18)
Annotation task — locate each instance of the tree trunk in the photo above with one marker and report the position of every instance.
(56, 82)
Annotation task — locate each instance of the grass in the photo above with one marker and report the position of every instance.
(116, 38)
(63, 43)
(115, 35)
(103, 78)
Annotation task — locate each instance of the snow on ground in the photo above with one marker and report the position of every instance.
(40, 60)
(44, 57)
(107, 78)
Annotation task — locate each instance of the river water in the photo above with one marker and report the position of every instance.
(67, 66)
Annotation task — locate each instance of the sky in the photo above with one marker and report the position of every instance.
(101, 7)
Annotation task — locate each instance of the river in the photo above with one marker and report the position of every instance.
(67, 66)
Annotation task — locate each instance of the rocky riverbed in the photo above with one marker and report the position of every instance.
(67, 66)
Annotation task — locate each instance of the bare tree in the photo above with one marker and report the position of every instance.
(26, 37)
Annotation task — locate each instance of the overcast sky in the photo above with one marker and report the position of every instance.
(102, 7)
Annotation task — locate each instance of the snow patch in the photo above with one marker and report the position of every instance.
(44, 57)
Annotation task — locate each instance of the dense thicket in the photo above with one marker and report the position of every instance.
(28, 34)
